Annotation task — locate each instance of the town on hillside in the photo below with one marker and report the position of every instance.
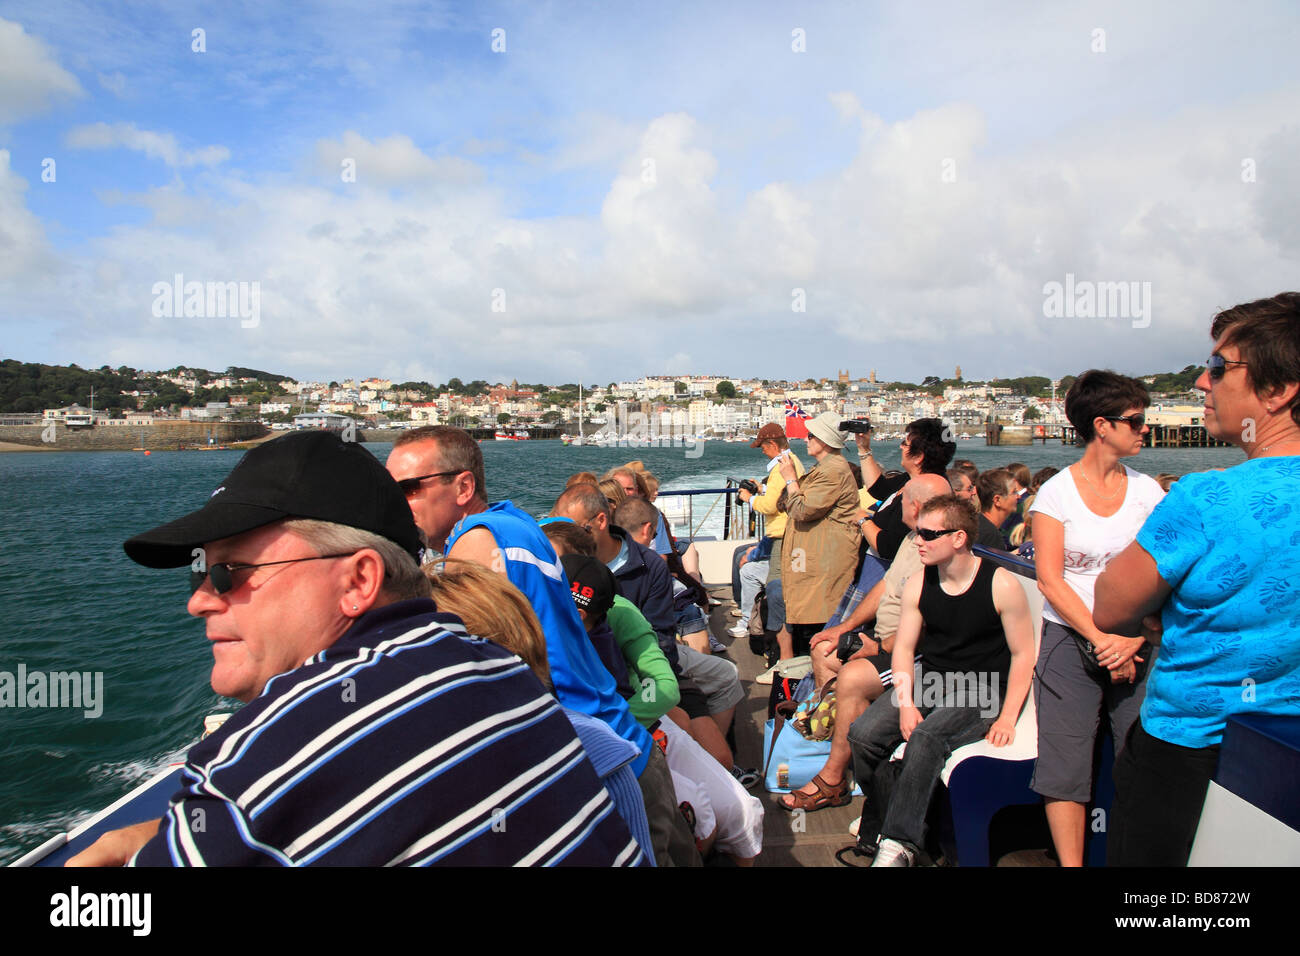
(710, 406)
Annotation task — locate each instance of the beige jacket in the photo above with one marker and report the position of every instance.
(820, 549)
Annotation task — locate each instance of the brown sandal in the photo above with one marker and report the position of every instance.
(826, 796)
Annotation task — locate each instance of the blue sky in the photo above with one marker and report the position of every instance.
(645, 187)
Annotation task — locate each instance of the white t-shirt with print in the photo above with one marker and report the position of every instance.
(1091, 540)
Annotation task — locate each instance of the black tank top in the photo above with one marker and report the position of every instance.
(963, 633)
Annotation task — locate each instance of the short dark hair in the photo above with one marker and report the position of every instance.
(1100, 393)
(456, 449)
(634, 512)
(587, 499)
(996, 481)
(957, 514)
(1266, 334)
(1041, 476)
(1020, 472)
(953, 475)
(927, 436)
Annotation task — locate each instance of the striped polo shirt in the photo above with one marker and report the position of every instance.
(407, 742)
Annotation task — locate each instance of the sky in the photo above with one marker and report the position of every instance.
(554, 192)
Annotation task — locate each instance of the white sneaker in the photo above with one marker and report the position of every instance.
(766, 676)
(738, 630)
(735, 612)
(893, 853)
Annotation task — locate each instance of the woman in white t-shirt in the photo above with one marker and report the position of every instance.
(1083, 517)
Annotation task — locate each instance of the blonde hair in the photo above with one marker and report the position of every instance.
(613, 492)
(492, 608)
(1023, 532)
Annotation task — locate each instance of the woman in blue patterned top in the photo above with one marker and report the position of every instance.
(1217, 561)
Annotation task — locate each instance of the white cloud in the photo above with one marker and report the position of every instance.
(155, 145)
(394, 161)
(30, 77)
(24, 252)
(903, 270)
(114, 82)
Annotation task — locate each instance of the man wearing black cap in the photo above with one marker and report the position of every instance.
(374, 731)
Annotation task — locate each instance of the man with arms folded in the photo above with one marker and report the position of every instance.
(375, 731)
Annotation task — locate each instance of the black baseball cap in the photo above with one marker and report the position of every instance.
(308, 474)
(591, 583)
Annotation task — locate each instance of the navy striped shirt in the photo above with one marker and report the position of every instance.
(404, 743)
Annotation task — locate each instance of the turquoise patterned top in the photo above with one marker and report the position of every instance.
(1228, 543)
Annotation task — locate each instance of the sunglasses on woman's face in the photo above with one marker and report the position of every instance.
(1217, 366)
(1135, 422)
(930, 534)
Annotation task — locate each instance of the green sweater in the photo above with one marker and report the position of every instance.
(654, 688)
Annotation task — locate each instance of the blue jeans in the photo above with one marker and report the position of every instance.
(875, 735)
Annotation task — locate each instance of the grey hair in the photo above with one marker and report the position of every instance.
(402, 576)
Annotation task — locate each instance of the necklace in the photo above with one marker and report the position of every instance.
(1285, 441)
(969, 581)
(1096, 491)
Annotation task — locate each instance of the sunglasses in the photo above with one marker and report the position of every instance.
(1135, 422)
(928, 534)
(411, 486)
(223, 583)
(1217, 366)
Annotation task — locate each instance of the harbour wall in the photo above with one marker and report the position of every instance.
(160, 436)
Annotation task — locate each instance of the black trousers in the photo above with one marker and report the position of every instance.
(1159, 792)
(802, 635)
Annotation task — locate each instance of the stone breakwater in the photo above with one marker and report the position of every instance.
(161, 436)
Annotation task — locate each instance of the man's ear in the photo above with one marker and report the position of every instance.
(464, 488)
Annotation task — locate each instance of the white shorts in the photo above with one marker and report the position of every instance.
(688, 791)
(739, 815)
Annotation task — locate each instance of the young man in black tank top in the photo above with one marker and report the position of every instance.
(979, 658)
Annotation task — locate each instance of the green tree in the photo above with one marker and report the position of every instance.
(503, 418)
(679, 388)
(1032, 414)
(726, 390)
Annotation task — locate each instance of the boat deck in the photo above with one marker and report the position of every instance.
(825, 831)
